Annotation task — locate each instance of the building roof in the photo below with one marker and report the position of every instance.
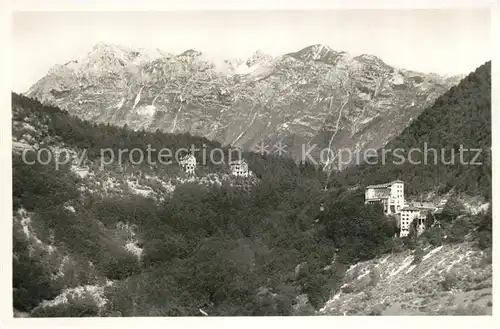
(187, 157)
(238, 162)
(426, 205)
(385, 184)
(410, 209)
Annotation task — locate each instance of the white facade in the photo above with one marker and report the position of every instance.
(410, 214)
(188, 163)
(391, 195)
(239, 168)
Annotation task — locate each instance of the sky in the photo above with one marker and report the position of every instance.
(443, 41)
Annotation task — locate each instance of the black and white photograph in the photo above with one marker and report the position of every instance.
(250, 163)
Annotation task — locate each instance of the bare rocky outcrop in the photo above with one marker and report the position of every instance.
(449, 279)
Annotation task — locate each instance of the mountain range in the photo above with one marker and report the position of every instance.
(310, 99)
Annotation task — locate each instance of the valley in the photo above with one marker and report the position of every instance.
(262, 238)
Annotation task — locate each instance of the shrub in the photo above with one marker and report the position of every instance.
(418, 254)
(452, 210)
(377, 310)
(449, 282)
(484, 229)
(302, 306)
(119, 267)
(434, 235)
(485, 240)
(374, 276)
(486, 260)
(459, 229)
(397, 245)
(31, 282)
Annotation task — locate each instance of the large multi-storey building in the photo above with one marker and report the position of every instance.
(390, 195)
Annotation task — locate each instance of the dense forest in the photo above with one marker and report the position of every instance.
(229, 251)
(226, 250)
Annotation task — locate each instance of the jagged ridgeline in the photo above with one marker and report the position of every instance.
(316, 96)
(460, 117)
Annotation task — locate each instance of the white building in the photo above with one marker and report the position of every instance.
(391, 195)
(188, 164)
(410, 214)
(239, 168)
(407, 216)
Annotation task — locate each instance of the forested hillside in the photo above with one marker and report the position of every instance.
(227, 250)
(217, 247)
(460, 117)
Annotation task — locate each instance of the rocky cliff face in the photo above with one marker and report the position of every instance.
(312, 96)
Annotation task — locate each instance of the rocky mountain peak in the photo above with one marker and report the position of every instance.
(372, 61)
(107, 47)
(191, 53)
(258, 57)
(316, 52)
(315, 95)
